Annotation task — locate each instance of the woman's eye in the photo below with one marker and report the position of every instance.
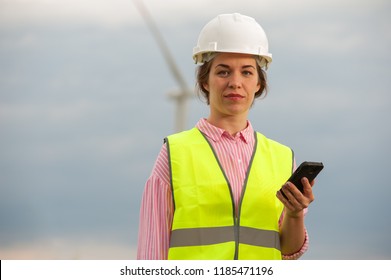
(247, 73)
(223, 73)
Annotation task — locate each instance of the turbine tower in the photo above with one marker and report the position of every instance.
(184, 93)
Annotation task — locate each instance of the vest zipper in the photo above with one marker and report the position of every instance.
(236, 229)
(237, 216)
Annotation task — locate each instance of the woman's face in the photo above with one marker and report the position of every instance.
(232, 84)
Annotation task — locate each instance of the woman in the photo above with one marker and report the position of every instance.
(215, 190)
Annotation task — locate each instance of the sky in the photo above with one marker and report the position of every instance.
(84, 107)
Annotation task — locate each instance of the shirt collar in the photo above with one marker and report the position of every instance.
(216, 134)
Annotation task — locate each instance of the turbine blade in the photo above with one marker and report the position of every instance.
(163, 46)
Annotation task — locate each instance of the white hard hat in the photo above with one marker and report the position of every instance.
(234, 33)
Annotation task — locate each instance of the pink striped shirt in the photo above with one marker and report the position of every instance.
(157, 209)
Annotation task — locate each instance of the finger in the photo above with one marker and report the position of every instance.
(283, 194)
(306, 184)
(307, 189)
(284, 199)
(285, 191)
(297, 199)
(291, 191)
(291, 195)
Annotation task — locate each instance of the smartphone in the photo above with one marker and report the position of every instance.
(308, 169)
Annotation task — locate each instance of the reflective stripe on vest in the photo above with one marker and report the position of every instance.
(205, 225)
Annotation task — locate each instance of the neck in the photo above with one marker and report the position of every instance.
(231, 124)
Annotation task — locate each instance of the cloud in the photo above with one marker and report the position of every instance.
(119, 12)
(109, 13)
(61, 113)
(58, 248)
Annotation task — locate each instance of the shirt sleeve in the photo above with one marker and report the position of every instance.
(156, 212)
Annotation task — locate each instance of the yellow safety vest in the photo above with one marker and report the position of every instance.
(205, 225)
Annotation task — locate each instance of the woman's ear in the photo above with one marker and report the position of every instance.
(206, 86)
(258, 86)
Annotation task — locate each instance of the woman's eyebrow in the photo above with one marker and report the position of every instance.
(248, 66)
(222, 65)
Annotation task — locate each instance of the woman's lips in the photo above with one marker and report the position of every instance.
(234, 96)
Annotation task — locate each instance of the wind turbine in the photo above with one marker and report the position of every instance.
(184, 93)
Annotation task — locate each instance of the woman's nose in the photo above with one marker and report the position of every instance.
(234, 81)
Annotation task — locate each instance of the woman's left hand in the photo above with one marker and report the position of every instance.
(295, 201)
